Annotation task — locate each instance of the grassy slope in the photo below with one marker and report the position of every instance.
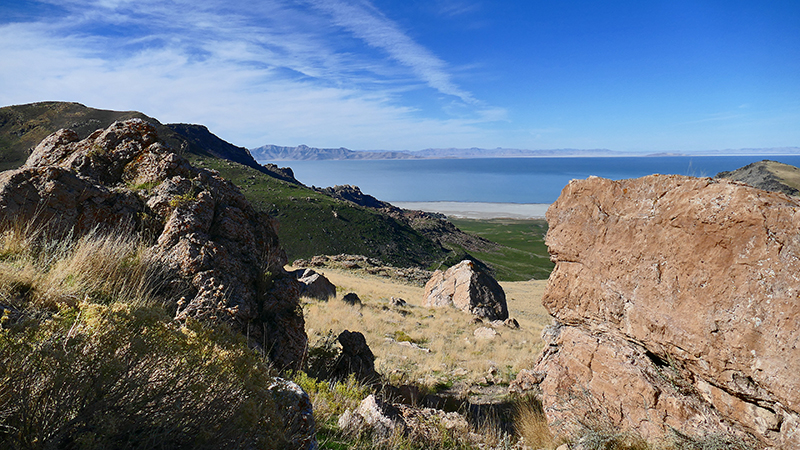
(456, 355)
(310, 226)
(314, 223)
(788, 175)
(523, 256)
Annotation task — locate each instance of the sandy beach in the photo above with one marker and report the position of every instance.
(475, 210)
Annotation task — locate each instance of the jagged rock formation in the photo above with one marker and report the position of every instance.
(225, 256)
(677, 303)
(22, 127)
(468, 288)
(767, 175)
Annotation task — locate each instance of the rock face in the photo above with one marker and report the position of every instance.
(468, 288)
(224, 255)
(677, 303)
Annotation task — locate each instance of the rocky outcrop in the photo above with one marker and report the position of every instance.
(224, 255)
(385, 420)
(677, 303)
(354, 194)
(468, 288)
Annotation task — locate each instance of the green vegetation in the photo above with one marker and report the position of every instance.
(90, 357)
(523, 256)
(312, 223)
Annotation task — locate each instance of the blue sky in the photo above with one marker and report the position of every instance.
(406, 75)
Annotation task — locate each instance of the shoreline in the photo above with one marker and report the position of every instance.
(479, 210)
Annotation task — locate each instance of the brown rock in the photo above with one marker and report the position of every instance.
(680, 302)
(224, 254)
(468, 288)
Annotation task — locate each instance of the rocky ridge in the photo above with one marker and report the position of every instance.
(224, 255)
(767, 175)
(676, 303)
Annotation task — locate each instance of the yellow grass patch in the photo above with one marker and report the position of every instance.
(439, 347)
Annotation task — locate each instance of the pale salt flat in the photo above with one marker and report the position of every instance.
(475, 210)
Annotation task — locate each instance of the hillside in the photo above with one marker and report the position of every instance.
(312, 222)
(767, 175)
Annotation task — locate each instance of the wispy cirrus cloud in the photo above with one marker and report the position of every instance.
(364, 21)
(254, 72)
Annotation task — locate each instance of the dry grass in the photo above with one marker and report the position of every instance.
(99, 266)
(447, 351)
(531, 425)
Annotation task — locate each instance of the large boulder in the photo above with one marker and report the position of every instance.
(225, 259)
(677, 303)
(315, 285)
(468, 288)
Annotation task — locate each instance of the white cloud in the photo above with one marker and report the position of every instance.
(270, 74)
(365, 22)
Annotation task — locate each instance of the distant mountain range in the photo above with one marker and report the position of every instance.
(303, 152)
(306, 153)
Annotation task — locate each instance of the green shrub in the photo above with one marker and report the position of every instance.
(118, 376)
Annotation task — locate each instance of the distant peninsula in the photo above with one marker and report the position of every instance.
(306, 153)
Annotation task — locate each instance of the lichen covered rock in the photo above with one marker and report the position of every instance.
(224, 255)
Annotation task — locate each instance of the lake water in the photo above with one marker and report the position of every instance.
(500, 180)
